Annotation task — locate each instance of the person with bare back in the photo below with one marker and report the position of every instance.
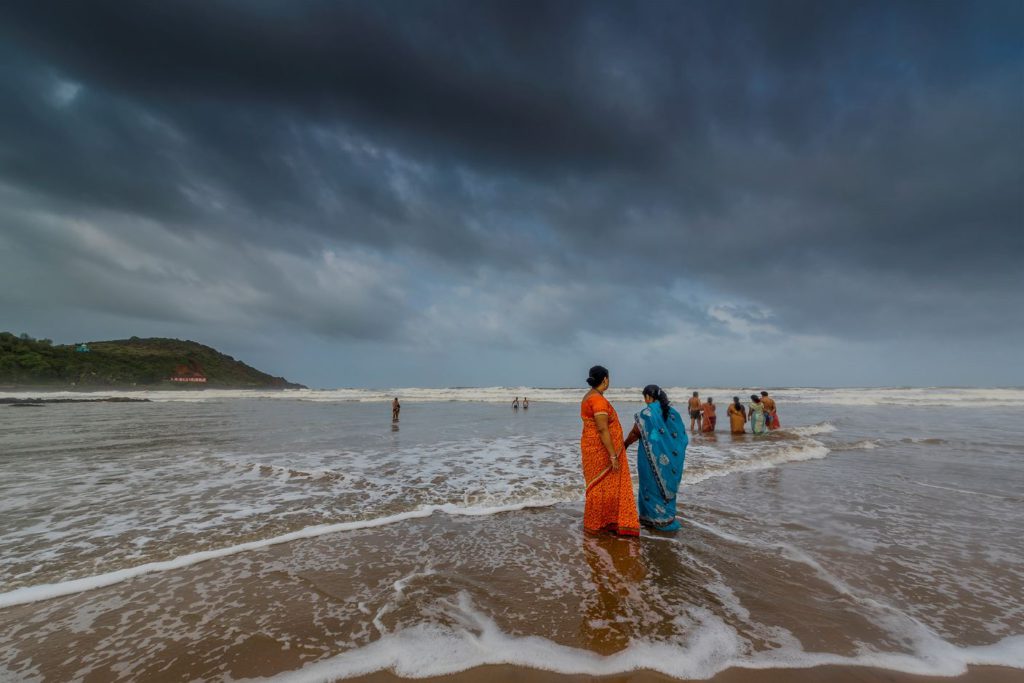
(693, 407)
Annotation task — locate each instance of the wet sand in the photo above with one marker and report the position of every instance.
(819, 674)
(443, 591)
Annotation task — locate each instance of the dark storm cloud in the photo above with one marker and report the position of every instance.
(854, 168)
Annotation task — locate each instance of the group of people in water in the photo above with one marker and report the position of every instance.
(526, 403)
(762, 414)
(661, 433)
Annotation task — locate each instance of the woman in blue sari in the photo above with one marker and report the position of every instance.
(660, 458)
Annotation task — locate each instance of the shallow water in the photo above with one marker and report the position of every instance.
(250, 534)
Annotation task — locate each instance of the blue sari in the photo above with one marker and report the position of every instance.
(659, 466)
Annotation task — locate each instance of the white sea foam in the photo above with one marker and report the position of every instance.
(511, 486)
(811, 430)
(20, 596)
(765, 459)
(429, 649)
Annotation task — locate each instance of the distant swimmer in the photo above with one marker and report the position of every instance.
(708, 411)
(770, 409)
(693, 407)
(396, 408)
(737, 416)
(526, 403)
(757, 415)
(515, 404)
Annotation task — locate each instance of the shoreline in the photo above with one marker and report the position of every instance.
(183, 387)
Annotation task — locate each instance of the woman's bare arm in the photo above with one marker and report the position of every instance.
(634, 436)
(606, 438)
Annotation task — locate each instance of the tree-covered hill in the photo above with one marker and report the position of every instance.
(142, 363)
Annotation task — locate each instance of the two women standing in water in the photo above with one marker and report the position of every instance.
(758, 415)
(610, 504)
(763, 413)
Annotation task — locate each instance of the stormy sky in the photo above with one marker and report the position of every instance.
(505, 193)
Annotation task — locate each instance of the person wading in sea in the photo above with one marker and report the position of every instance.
(757, 415)
(693, 407)
(610, 504)
(396, 408)
(737, 416)
(770, 411)
(708, 412)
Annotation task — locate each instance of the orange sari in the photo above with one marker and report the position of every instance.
(610, 503)
(737, 419)
(709, 420)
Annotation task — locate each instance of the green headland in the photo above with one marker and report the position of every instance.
(152, 363)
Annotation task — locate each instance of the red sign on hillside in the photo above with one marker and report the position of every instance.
(189, 373)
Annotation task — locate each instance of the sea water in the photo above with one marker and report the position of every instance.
(879, 526)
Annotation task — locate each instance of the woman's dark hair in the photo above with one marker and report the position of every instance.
(659, 395)
(598, 374)
(736, 400)
(755, 398)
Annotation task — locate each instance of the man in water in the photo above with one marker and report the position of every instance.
(526, 403)
(693, 406)
(515, 404)
(769, 409)
(396, 408)
(708, 424)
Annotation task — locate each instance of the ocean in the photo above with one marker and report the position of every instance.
(302, 536)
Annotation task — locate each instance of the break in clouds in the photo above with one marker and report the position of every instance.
(395, 193)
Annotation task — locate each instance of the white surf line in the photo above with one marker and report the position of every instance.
(27, 594)
(428, 650)
(399, 589)
(964, 491)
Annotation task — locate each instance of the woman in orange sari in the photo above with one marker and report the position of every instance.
(707, 423)
(610, 504)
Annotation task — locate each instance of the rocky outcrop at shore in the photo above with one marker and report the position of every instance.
(41, 401)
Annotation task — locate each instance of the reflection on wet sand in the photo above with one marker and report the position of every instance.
(616, 567)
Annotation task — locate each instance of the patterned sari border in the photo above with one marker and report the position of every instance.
(649, 454)
(598, 478)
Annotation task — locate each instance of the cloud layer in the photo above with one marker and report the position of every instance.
(503, 191)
